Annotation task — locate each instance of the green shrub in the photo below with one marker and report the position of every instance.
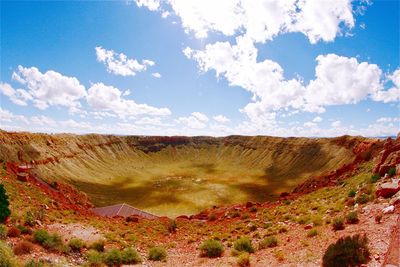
(391, 172)
(243, 260)
(29, 219)
(157, 254)
(76, 244)
(352, 217)
(243, 244)
(94, 258)
(268, 242)
(362, 199)
(3, 232)
(375, 178)
(24, 230)
(352, 193)
(312, 233)
(7, 258)
(113, 257)
(338, 223)
(49, 241)
(4, 205)
(130, 256)
(348, 251)
(172, 226)
(211, 248)
(98, 246)
(33, 263)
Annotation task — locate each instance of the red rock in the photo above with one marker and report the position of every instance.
(183, 217)
(308, 226)
(249, 204)
(132, 219)
(388, 189)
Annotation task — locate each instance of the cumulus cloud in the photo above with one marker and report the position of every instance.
(221, 119)
(393, 93)
(156, 75)
(196, 120)
(17, 96)
(108, 98)
(45, 89)
(317, 119)
(262, 20)
(120, 64)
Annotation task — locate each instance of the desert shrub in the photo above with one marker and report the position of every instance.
(13, 232)
(338, 223)
(76, 244)
(212, 217)
(269, 242)
(24, 230)
(211, 248)
(3, 232)
(253, 209)
(312, 233)
(391, 172)
(98, 246)
(267, 225)
(347, 251)
(352, 193)
(172, 226)
(243, 244)
(48, 241)
(375, 178)
(29, 219)
(157, 254)
(113, 257)
(7, 258)
(233, 214)
(243, 260)
(245, 216)
(352, 217)
(39, 263)
(282, 229)
(130, 256)
(362, 199)
(23, 247)
(4, 205)
(252, 227)
(94, 258)
(378, 218)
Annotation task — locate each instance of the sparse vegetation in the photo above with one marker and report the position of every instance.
(49, 241)
(98, 245)
(211, 248)
(375, 178)
(13, 232)
(243, 244)
(243, 259)
(130, 256)
(172, 226)
(7, 258)
(338, 223)
(3, 232)
(362, 199)
(312, 233)
(352, 193)
(157, 254)
(269, 242)
(348, 251)
(352, 217)
(113, 257)
(391, 172)
(76, 244)
(94, 258)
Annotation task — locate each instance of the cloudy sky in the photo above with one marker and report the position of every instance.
(201, 67)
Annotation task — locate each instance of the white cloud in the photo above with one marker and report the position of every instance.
(317, 119)
(150, 4)
(17, 96)
(221, 119)
(108, 98)
(393, 93)
(47, 89)
(261, 20)
(336, 124)
(156, 75)
(120, 64)
(197, 120)
(342, 80)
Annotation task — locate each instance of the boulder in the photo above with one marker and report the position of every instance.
(132, 218)
(308, 226)
(388, 210)
(388, 189)
(395, 200)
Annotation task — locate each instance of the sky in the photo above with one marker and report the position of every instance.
(315, 68)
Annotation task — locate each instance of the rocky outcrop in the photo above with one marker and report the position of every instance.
(388, 189)
(389, 157)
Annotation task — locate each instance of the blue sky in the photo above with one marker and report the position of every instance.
(301, 68)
